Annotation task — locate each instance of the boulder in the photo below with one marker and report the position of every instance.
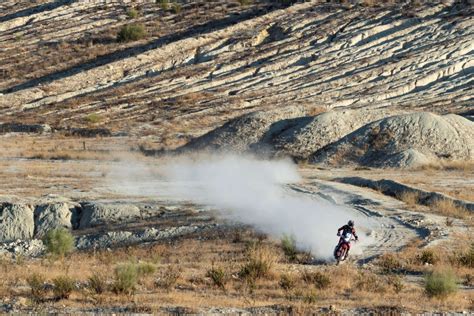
(95, 214)
(51, 216)
(16, 222)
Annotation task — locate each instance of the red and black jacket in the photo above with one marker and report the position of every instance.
(347, 228)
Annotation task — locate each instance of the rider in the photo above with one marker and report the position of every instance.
(348, 228)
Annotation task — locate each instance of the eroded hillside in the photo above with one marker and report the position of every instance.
(214, 61)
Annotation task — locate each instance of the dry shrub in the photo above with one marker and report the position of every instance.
(447, 207)
(259, 262)
(97, 283)
(218, 276)
(319, 279)
(287, 282)
(168, 277)
(411, 198)
(396, 282)
(427, 256)
(370, 282)
(389, 262)
(38, 290)
(456, 165)
(63, 287)
(313, 111)
(465, 258)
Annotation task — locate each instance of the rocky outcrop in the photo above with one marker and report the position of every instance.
(403, 141)
(16, 222)
(25, 128)
(51, 216)
(95, 214)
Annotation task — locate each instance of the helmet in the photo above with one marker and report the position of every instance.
(350, 223)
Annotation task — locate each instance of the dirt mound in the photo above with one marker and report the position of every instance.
(312, 134)
(404, 141)
(248, 131)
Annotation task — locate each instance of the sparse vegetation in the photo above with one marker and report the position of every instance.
(36, 282)
(132, 13)
(164, 4)
(59, 242)
(428, 256)
(176, 8)
(63, 287)
(126, 278)
(97, 283)
(168, 277)
(318, 279)
(411, 198)
(441, 283)
(245, 2)
(131, 32)
(287, 282)
(259, 262)
(448, 207)
(218, 277)
(389, 263)
(288, 244)
(93, 118)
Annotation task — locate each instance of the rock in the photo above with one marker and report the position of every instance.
(51, 216)
(16, 222)
(95, 214)
(25, 128)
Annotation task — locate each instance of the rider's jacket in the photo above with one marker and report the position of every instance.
(346, 228)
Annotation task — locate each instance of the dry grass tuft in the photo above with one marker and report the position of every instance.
(411, 198)
(447, 207)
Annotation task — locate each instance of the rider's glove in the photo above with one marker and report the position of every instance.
(338, 234)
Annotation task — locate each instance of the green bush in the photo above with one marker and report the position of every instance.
(288, 244)
(63, 287)
(132, 13)
(36, 282)
(164, 4)
(93, 118)
(131, 32)
(97, 283)
(126, 278)
(59, 242)
(245, 2)
(441, 283)
(218, 277)
(176, 8)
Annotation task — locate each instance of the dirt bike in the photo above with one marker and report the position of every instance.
(340, 252)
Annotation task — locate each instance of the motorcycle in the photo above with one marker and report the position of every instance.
(340, 252)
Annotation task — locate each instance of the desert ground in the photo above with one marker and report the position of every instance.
(205, 164)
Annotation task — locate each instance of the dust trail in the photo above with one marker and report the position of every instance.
(251, 191)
